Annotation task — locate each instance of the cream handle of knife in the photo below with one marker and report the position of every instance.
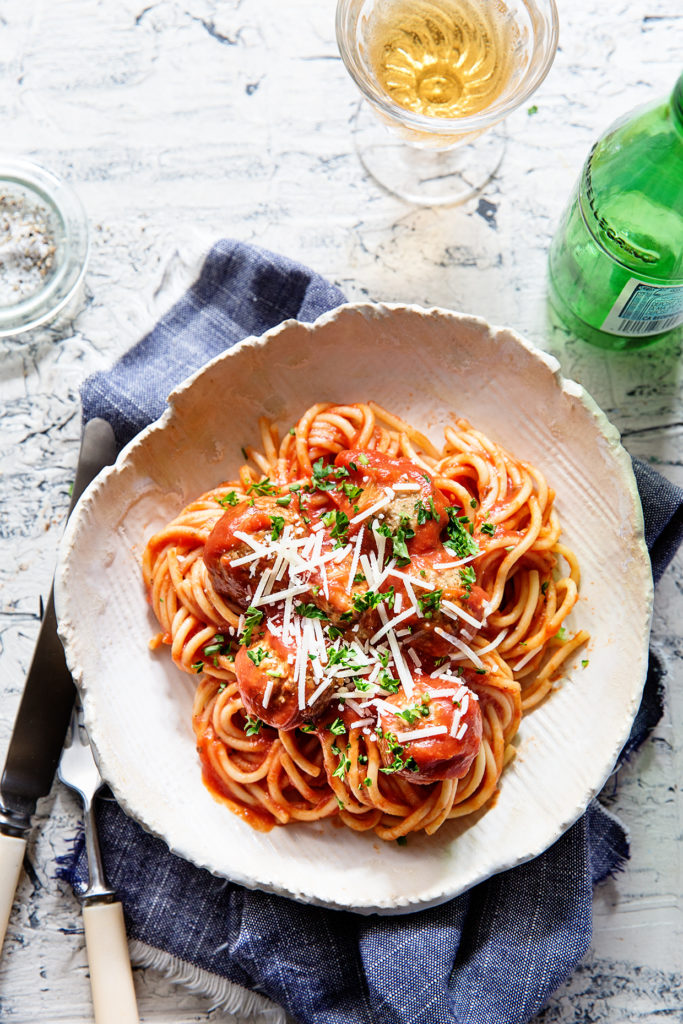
(111, 978)
(11, 858)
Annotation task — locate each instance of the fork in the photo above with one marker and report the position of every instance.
(111, 977)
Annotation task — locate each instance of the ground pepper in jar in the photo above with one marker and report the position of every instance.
(27, 246)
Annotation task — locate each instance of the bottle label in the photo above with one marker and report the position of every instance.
(643, 309)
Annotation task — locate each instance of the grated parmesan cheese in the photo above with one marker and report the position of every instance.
(457, 642)
(421, 734)
(388, 496)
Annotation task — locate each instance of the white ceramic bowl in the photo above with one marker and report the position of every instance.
(425, 365)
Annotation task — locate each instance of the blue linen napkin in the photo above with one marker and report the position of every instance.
(492, 955)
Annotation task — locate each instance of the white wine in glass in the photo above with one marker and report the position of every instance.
(438, 74)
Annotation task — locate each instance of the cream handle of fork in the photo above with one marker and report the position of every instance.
(111, 977)
(11, 858)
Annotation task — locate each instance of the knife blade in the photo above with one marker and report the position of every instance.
(45, 707)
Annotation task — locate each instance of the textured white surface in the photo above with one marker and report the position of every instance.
(180, 122)
(567, 748)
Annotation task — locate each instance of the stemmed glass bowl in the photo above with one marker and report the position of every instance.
(437, 78)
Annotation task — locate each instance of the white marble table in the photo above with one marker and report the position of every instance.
(179, 122)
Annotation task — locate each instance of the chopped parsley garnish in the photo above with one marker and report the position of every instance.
(231, 498)
(367, 781)
(467, 578)
(364, 602)
(474, 503)
(295, 489)
(307, 728)
(197, 666)
(252, 617)
(321, 473)
(252, 726)
(398, 538)
(363, 459)
(352, 491)
(362, 684)
(387, 682)
(412, 715)
(488, 528)
(278, 524)
(399, 763)
(262, 487)
(338, 656)
(430, 603)
(324, 477)
(584, 663)
(216, 645)
(258, 655)
(424, 512)
(459, 540)
(344, 655)
(339, 523)
(310, 611)
(371, 599)
(337, 728)
(544, 587)
(343, 766)
(561, 634)
(404, 533)
(285, 501)
(220, 645)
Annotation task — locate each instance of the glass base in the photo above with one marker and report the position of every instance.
(427, 177)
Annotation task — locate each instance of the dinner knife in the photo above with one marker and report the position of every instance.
(45, 708)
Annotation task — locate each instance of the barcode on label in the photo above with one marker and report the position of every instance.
(650, 326)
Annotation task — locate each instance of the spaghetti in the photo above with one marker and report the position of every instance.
(369, 618)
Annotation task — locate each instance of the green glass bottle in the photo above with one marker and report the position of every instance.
(616, 261)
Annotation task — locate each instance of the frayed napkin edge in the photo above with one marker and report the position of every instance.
(228, 997)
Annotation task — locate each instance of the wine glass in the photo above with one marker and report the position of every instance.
(437, 78)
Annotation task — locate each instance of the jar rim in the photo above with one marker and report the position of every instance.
(71, 240)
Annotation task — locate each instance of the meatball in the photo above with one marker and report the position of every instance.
(447, 755)
(237, 583)
(266, 666)
(420, 508)
(329, 587)
(436, 602)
